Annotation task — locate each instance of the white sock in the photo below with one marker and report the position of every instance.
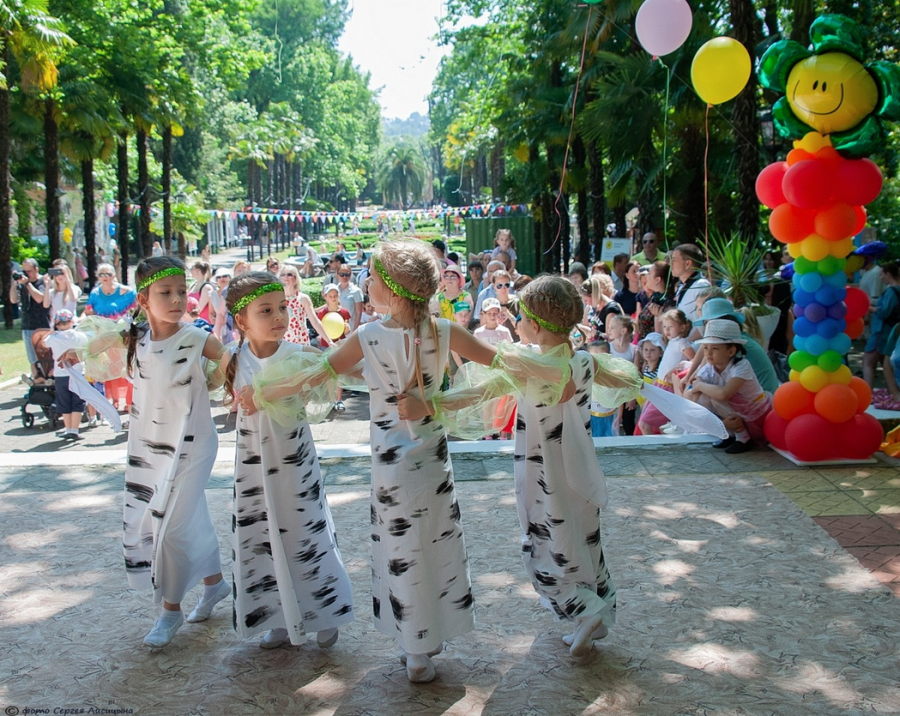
(743, 436)
(71, 431)
(168, 616)
(209, 590)
(417, 662)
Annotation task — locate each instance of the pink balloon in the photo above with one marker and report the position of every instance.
(663, 25)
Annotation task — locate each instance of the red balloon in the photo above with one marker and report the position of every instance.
(855, 328)
(860, 437)
(861, 218)
(768, 184)
(835, 222)
(857, 181)
(789, 224)
(791, 400)
(863, 393)
(809, 184)
(857, 304)
(810, 438)
(775, 428)
(836, 403)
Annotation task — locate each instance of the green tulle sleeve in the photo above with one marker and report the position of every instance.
(480, 402)
(616, 381)
(105, 354)
(302, 386)
(540, 378)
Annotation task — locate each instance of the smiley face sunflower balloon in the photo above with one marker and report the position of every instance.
(830, 90)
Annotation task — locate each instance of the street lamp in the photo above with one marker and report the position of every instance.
(772, 141)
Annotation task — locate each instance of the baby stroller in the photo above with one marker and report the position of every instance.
(41, 395)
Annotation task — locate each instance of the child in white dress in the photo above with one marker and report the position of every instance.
(288, 575)
(676, 329)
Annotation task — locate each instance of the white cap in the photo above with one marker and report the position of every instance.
(654, 338)
(330, 287)
(490, 303)
(222, 272)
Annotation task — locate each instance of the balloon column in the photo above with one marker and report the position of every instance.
(837, 105)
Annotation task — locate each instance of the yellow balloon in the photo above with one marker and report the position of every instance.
(334, 325)
(842, 248)
(841, 376)
(814, 247)
(794, 376)
(795, 250)
(813, 378)
(720, 70)
(67, 235)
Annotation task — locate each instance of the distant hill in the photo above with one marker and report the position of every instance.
(415, 125)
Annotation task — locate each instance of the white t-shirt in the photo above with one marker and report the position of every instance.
(58, 301)
(627, 354)
(61, 341)
(350, 296)
(672, 356)
(493, 336)
(751, 390)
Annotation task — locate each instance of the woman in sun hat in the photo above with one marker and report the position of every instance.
(727, 386)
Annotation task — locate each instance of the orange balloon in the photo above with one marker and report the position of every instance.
(863, 393)
(855, 328)
(836, 222)
(798, 155)
(836, 403)
(792, 399)
(789, 224)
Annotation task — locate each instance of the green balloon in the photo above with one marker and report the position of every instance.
(800, 360)
(830, 361)
(803, 265)
(828, 266)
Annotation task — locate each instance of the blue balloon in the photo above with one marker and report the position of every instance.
(811, 282)
(841, 343)
(815, 312)
(837, 311)
(804, 327)
(838, 280)
(112, 229)
(817, 345)
(802, 298)
(798, 310)
(828, 295)
(828, 328)
(800, 343)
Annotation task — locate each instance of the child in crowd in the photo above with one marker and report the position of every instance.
(332, 295)
(368, 313)
(504, 242)
(651, 349)
(490, 331)
(602, 418)
(169, 539)
(676, 328)
(421, 592)
(560, 488)
(620, 332)
(727, 385)
(288, 575)
(462, 314)
(68, 403)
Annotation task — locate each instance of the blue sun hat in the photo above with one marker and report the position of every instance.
(718, 308)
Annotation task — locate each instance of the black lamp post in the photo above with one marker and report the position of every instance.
(772, 141)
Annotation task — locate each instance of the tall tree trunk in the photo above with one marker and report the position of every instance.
(620, 220)
(745, 118)
(251, 181)
(583, 250)
(597, 181)
(5, 242)
(51, 176)
(803, 12)
(144, 193)
(692, 205)
(124, 203)
(90, 224)
(167, 188)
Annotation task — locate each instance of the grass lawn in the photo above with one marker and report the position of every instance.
(12, 353)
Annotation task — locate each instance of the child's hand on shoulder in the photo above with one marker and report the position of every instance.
(246, 399)
(409, 407)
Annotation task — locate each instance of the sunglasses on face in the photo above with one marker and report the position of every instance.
(649, 241)
(286, 275)
(450, 275)
(104, 275)
(502, 285)
(342, 274)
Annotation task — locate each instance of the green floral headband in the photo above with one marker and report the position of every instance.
(541, 322)
(164, 273)
(245, 301)
(393, 285)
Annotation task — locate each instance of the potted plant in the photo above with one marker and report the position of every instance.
(737, 265)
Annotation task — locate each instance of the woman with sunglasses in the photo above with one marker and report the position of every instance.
(60, 291)
(351, 295)
(301, 312)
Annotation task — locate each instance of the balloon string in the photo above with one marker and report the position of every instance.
(665, 150)
(562, 176)
(706, 195)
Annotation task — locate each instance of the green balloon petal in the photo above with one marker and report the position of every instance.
(861, 141)
(836, 33)
(787, 123)
(887, 77)
(776, 63)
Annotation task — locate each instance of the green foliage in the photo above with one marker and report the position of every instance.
(736, 263)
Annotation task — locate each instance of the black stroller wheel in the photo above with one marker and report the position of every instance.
(27, 419)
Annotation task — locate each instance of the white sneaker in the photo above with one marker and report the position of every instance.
(274, 638)
(93, 422)
(161, 634)
(327, 637)
(205, 606)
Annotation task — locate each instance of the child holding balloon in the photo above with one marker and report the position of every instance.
(727, 385)
(335, 324)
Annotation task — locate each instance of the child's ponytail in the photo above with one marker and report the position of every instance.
(231, 372)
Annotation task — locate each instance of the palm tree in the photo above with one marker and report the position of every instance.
(31, 35)
(402, 176)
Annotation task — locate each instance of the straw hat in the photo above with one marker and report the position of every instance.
(720, 331)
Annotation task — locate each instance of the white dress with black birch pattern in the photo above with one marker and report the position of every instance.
(560, 490)
(296, 581)
(421, 592)
(169, 539)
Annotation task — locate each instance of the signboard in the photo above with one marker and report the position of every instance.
(611, 247)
